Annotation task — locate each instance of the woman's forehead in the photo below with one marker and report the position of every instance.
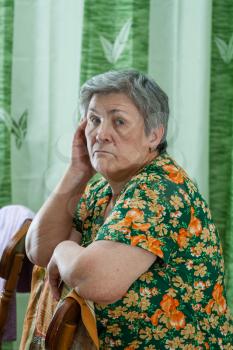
(115, 102)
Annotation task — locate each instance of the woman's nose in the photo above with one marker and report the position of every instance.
(103, 133)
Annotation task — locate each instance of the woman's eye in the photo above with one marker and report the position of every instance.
(119, 121)
(95, 120)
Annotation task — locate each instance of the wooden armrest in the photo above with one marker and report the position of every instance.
(64, 323)
(15, 245)
(10, 267)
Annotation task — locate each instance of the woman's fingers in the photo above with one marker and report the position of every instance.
(79, 135)
(79, 149)
(54, 278)
(80, 159)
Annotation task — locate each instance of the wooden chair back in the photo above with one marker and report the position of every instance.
(11, 263)
(63, 326)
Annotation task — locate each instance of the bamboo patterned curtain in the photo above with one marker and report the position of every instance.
(221, 131)
(114, 36)
(6, 33)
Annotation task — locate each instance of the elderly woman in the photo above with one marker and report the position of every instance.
(140, 243)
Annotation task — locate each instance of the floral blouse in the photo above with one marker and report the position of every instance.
(180, 302)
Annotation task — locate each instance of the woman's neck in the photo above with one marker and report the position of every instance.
(117, 185)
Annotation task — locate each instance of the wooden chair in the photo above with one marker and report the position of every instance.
(63, 326)
(10, 267)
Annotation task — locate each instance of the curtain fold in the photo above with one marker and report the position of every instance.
(179, 60)
(46, 68)
(6, 36)
(114, 36)
(221, 131)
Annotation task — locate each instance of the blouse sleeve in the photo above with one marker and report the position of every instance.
(86, 205)
(144, 217)
(81, 211)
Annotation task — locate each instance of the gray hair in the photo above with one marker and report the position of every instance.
(144, 92)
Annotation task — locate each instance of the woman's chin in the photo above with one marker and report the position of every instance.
(113, 172)
(103, 168)
(110, 175)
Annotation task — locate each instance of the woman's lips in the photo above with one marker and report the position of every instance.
(102, 152)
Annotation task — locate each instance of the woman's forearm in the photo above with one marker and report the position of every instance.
(77, 271)
(53, 222)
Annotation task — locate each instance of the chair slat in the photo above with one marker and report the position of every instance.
(11, 264)
(63, 326)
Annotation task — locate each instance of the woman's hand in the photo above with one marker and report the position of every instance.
(54, 277)
(80, 161)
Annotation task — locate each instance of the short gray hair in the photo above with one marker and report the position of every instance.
(147, 96)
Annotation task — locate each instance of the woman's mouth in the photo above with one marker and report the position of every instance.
(102, 153)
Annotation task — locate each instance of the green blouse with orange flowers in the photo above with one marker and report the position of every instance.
(180, 302)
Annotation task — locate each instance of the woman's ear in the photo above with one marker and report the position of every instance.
(155, 137)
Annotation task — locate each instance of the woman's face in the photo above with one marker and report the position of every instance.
(116, 139)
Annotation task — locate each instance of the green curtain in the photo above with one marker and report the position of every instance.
(6, 44)
(45, 83)
(179, 60)
(115, 35)
(6, 34)
(221, 131)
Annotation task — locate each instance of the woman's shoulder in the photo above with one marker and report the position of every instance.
(170, 170)
(172, 175)
(163, 171)
(164, 181)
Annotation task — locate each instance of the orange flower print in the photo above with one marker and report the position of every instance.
(151, 193)
(127, 220)
(134, 218)
(182, 238)
(103, 200)
(155, 317)
(200, 284)
(195, 226)
(141, 227)
(168, 304)
(218, 300)
(169, 309)
(177, 319)
(209, 306)
(144, 187)
(174, 174)
(136, 239)
(154, 246)
(134, 214)
(121, 225)
(83, 211)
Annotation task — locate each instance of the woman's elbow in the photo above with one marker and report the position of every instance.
(99, 292)
(36, 259)
(29, 250)
(34, 255)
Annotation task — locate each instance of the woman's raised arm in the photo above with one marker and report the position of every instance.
(53, 222)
